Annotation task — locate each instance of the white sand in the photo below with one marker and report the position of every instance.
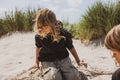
(17, 53)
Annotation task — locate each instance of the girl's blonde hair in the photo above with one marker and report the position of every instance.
(112, 40)
(46, 17)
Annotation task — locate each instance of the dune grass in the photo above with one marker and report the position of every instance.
(98, 20)
(94, 24)
(17, 21)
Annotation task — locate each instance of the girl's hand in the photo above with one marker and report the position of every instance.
(34, 67)
(82, 63)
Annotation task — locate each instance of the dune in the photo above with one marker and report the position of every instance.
(17, 55)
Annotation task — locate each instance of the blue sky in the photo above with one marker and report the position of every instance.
(70, 10)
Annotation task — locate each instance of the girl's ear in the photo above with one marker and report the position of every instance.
(114, 54)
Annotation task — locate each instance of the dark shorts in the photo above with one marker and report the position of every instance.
(61, 70)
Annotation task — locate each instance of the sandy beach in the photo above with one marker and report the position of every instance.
(17, 54)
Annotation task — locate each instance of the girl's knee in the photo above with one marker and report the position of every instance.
(73, 74)
(51, 74)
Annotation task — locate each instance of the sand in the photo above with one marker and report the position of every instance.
(17, 55)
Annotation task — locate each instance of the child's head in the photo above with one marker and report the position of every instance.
(112, 42)
(46, 23)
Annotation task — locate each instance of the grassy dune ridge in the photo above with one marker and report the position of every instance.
(94, 24)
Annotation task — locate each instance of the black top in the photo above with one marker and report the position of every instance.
(52, 51)
(116, 75)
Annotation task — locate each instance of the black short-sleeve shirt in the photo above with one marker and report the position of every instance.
(116, 75)
(51, 51)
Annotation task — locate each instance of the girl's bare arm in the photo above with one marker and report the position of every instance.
(74, 53)
(37, 54)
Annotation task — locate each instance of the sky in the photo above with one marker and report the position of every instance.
(70, 10)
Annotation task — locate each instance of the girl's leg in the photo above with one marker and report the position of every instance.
(70, 72)
(50, 72)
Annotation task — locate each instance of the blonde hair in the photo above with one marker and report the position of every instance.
(46, 17)
(112, 40)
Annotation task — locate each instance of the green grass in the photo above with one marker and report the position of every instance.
(98, 20)
(95, 23)
(17, 21)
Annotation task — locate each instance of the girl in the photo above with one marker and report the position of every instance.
(112, 42)
(51, 49)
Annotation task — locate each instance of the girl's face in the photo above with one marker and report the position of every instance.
(116, 55)
(46, 29)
